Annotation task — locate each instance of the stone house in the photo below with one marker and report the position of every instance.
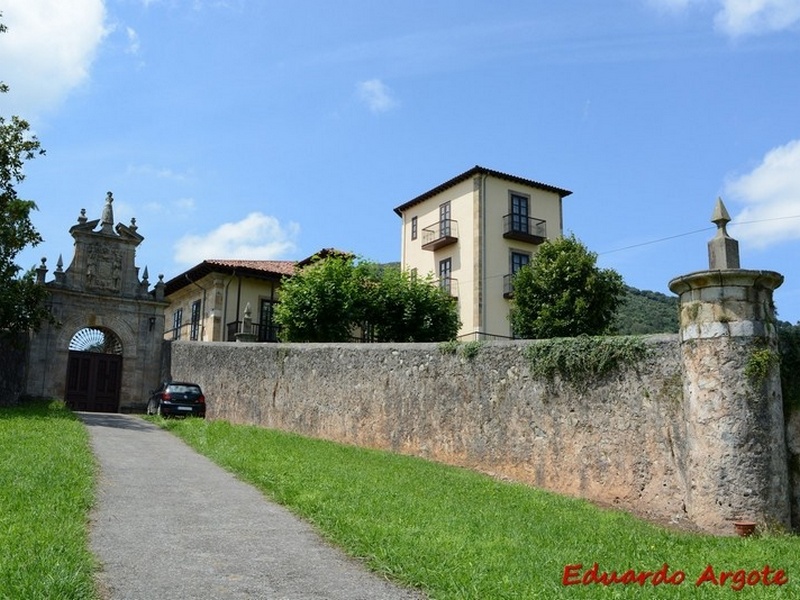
(208, 301)
(473, 233)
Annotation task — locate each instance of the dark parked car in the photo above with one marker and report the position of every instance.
(177, 398)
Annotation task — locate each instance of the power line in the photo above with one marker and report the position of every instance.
(696, 231)
(664, 239)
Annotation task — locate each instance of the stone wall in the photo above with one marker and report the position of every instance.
(622, 441)
(12, 368)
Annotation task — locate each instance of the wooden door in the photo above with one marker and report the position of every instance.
(93, 381)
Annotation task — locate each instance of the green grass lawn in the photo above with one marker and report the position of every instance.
(457, 534)
(46, 490)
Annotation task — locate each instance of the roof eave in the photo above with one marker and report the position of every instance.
(476, 170)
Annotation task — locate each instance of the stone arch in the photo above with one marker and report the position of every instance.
(120, 328)
(96, 339)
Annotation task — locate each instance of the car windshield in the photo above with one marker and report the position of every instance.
(187, 390)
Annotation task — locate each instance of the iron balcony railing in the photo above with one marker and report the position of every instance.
(441, 233)
(449, 285)
(524, 229)
(508, 286)
(263, 333)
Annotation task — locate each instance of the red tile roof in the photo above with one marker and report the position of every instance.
(282, 267)
(259, 269)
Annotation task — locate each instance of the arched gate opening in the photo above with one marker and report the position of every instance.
(94, 370)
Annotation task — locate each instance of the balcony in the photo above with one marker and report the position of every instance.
(439, 235)
(524, 229)
(263, 333)
(508, 286)
(449, 285)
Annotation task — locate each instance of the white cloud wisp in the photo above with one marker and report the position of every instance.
(256, 237)
(771, 193)
(744, 17)
(376, 95)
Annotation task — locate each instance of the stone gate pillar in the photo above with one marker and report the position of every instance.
(736, 459)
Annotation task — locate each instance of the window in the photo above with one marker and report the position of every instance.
(413, 228)
(445, 274)
(444, 220)
(519, 260)
(177, 321)
(267, 330)
(519, 213)
(194, 329)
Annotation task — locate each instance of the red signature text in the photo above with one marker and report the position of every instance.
(738, 579)
(575, 574)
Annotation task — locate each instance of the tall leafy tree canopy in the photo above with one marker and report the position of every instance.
(21, 299)
(338, 299)
(563, 293)
(405, 308)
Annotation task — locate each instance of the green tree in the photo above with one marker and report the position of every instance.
(789, 342)
(405, 308)
(322, 302)
(336, 298)
(562, 293)
(22, 301)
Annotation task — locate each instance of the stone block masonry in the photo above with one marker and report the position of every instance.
(621, 441)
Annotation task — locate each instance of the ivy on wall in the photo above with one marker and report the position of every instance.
(580, 360)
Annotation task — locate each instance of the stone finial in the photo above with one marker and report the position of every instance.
(723, 250)
(82, 216)
(245, 333)
(107, 219)
(160, 286)
(41, 271)
(59, 273)
(133, 225)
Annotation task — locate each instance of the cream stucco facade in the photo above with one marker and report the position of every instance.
(472, 233)
(207, 303)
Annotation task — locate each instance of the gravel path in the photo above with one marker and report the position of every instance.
(169, 524)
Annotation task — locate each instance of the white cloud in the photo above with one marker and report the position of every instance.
(160, 172)
(744, 17)
(256, 237)
(376, 95)
(771, 193)
(180, 208)
(133, 41)
(48, 50)
(670, 5)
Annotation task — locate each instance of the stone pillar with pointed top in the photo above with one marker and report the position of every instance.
(736, 461)
(59, 272)
(723, 250)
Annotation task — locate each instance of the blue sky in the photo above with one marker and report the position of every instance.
(260, 129)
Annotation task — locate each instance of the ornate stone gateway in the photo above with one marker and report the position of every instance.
(105, 353)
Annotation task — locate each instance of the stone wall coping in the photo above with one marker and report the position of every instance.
(726, 278)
